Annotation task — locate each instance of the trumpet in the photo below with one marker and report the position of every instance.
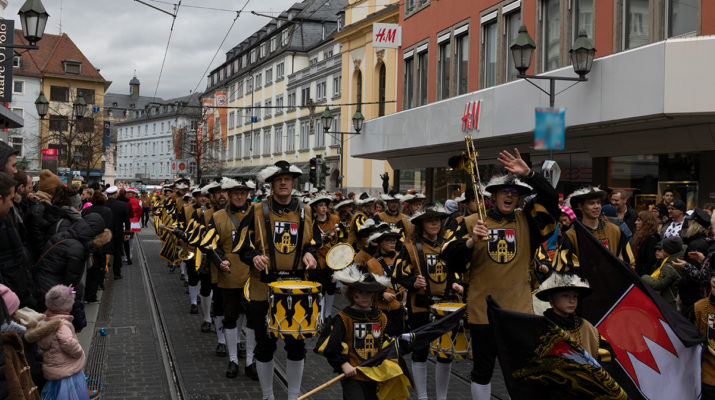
(467, 161)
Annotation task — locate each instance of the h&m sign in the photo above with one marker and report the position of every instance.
(386, 36)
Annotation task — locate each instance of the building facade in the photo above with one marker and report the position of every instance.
(157, 142)
(26, 86)
(639, 123)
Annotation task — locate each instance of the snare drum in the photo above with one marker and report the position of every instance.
(294, 309)
(456, 344)
(340, 256)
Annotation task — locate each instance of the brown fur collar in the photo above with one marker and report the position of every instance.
(102, 239)
(36, 334)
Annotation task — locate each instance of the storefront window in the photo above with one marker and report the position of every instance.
(576, 170)
(412, 179)
(449, 183)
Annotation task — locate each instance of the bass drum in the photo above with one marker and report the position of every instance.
(294, 309)
(455, 344)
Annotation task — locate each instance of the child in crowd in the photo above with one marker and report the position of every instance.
(704, 321)
(563, 292)
(665, 278)
(358, 327)
(63, 358)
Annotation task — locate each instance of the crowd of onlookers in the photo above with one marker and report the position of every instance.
(56, 245)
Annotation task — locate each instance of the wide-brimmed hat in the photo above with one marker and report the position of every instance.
(559, 282)
(213, 185)
(388, 197)
(364, 198)
(346, 202)
(427, 211)
(354, 277)
(583, 194)
(383, 231)
(281, 167)
(507, 180)
(232, 184)
(320, 196)
(369, 226)
(181, 186)
(195, 191)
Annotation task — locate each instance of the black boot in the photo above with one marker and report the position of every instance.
(232, 370)
(241, 347)
(206, 327)
(251, 372)
(221, 350)
(194, 309)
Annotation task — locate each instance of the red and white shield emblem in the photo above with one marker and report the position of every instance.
(293, 229)
(376, 330)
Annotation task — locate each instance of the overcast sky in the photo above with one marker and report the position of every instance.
(119, 36)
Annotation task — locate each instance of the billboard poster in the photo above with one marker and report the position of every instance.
(549, 128)
(209, 117)
(221, 102)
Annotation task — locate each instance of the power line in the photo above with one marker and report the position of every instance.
(166, 51)
(238, 13)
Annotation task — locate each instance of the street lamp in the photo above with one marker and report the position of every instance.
(358, 121)
(327, 119)
(582, 53)
(79, 106)
(33, 19)
(41, 104)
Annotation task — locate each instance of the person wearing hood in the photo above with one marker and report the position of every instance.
(497, 254)
(64, 255)
(100, 256)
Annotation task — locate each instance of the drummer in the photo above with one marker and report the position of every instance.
(326, 226)
(394, 217)
(276, 241)
(382, 264)
(344, 209)
(419, 268)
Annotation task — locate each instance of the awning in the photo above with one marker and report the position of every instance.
(9, 119)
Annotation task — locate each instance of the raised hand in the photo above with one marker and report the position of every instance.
(513, 163)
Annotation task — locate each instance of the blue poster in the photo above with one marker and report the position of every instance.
(549, 128)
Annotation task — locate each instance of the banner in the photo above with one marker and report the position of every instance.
(7, 36)
(176, 135)
(106, 134)
(549, 128)
(209, 117)
(199, 138)
(221, 102)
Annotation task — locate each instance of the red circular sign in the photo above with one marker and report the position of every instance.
(182, 166)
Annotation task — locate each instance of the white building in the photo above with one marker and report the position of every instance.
(145, 141)
(26, 84)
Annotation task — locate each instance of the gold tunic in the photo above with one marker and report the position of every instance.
(226, 232)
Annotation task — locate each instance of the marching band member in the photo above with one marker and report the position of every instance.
(344, 209)
(276, 240)
(344, 348)
(181, 187)
(500, 266)
(393, 216)
(326, 226)
(233, 272)
(194, 211)
(218, 200)
(419, 268)
(365, 210)
(382, 264)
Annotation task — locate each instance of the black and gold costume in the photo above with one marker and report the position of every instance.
(383, 265)
(607, 233)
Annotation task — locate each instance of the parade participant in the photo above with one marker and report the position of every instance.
(588, 202)
(216, 194)
(382, 264)
(276, 240)
(327, 227)
(191, 211)
(365, 210)
(564, 292)
(500, 266)
(392, 215)
(342, 349)
(134, 220)
(233, 273)
(705, 322)
(145, 201)
(421, 270)
(344, 209)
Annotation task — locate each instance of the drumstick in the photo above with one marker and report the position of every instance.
(260, 234)
(321, 387)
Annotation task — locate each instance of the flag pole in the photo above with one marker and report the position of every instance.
(321, 387)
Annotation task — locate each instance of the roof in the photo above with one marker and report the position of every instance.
(126, 101)
(188, 106)
(47, 61)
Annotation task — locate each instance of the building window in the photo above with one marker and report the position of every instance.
(462, 47)
(259, 80)
(408, 84)
(636, 17)
(513, 22)
(269, 76)
(443, 67)
(231, 93)
(490, 53)
(278, 148)
(16, 143)
(16, 61)
(321, 88)
(268, 104)
(253, 55)
(239, 89)
(313, 60)
(327, 54)
(267, 142)
(422, 75)
(304, 135)
(229, 149)
(239, 147)
(358, 90)
(263, 50)
(291, 100)
(231, 120)
(87, 94)
(58, 123)
(551, 28)
(335, 128)
(682, 17)
(18, 87)
(319, 135)
(304, 96)
(59, 93)
(337, 81)
(280, 70)
(583, 18)
(274, 43)
(248, 145)
(279, 105)
(284, 38)
(72, 67)
(256, 143)
(381, 90)
(290, 139)
(249, 85)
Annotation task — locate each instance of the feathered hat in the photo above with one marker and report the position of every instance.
(320, 196)
(507, 180)
(383, 231)
(583, 194)
(431, 210)
(230, 184)
(279, 168)
(558, 282)
(364, 198)
(354, 277)
(346, 202)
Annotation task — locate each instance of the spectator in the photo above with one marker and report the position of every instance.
(86, 194)
(14, 264)
(611, 215)
(644, 242)
(23, 188)
(665, 278)
(676, 212)
(660, 211)
(8, 158)
(619, 199)
(668, 196)
(708, 208)
(122, 196)
(120, 223)
(145, 202)
(100, 257)
(695, 236)
(135, 214)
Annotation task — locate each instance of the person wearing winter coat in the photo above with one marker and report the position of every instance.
(665, 278)
(63, 358)
(100, 255)
(120, 224)
(64, 257)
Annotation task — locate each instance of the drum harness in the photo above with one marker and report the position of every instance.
(425, 273)
(271, 246)
(388, 273)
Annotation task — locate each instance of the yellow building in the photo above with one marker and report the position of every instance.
(67, 74)
(369, 76)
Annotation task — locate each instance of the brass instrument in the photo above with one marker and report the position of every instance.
(467, 161)
(183, 253)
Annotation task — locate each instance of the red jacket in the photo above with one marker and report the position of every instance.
(135, 210)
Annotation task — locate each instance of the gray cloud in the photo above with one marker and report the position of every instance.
(118, 36)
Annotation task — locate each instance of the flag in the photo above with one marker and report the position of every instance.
(657, 350)
(541, 361)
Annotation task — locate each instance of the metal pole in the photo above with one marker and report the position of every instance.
(59, 152)
(552, 100)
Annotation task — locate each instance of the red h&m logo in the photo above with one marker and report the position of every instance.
(386, 35)
(470, 119)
